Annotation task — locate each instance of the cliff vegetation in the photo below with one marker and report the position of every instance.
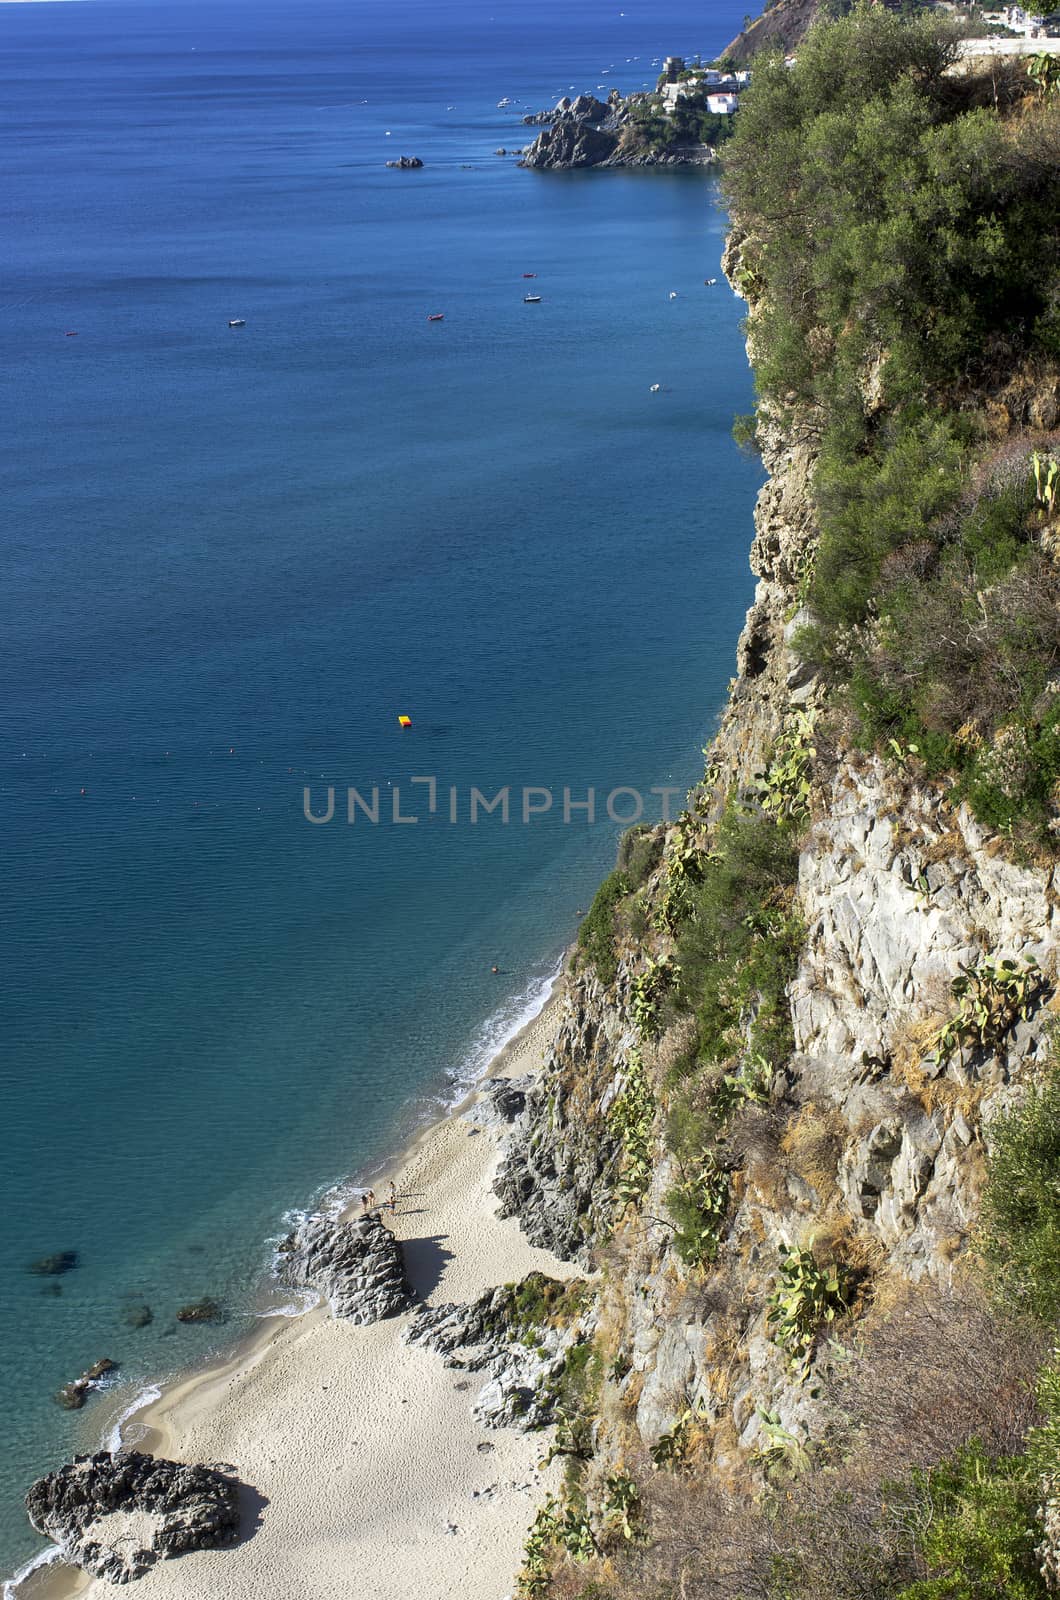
(799, 1122)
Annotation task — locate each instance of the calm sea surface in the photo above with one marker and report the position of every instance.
(231, 558)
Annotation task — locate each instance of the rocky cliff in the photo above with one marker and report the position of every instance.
(829, 1156)
(587, 132)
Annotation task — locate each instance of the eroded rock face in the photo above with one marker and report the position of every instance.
(116, 1515)
(523, 1365)
(558, 1171)
(357, 1266)
(571, 144)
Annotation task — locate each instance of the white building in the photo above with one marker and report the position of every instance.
(722, 105)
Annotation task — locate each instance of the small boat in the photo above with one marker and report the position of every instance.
(71, 333)
(502, 103)
(531, 299)
(655, 388)
(529, 274)
(673, 294)
(237, 322)
(436, 316)
(710, 282)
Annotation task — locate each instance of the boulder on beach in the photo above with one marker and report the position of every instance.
(116, 1515)
(51, 1266)
(357, 1266)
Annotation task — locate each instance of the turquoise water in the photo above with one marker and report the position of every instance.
(232, 557)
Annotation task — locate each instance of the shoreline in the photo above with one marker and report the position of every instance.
(447, 1158)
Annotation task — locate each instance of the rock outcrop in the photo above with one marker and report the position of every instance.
(558, 1169)
(587, 132)
(116, 1515)
(525, 1359)
(406, 163)
(73, 1395)
(356, 1266)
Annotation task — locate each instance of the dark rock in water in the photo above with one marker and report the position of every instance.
(571, 144)
(52, 1266)
(137, 1315)
(73, 1395)
(357, 1266)
(116, 1515)
(52, 1291)
(406, 163)
(204, 1310)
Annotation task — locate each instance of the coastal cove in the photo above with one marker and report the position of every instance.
(238, 553)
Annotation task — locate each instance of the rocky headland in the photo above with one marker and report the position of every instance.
(587, 132)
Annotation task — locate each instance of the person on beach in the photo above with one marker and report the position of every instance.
(365, 1202)
(392, 1199)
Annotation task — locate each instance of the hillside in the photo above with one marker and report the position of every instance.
(782, 25)
(799, 1121)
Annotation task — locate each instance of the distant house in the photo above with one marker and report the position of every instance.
(722, 105)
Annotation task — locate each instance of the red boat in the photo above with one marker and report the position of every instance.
(436, 316)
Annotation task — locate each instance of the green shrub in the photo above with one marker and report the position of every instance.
(596, 936)
(698, 1205)
(1020, 1220)
(639, 853)
(977, 1531)
(739, 950)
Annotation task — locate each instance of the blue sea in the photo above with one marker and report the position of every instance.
(234, 556)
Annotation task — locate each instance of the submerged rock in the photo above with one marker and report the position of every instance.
(51, 1266)
(357, 1266)
(73, 1395)
(204, 1310)
(116, 1515)
(137, 1314)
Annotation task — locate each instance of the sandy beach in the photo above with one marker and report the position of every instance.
(366, 1473)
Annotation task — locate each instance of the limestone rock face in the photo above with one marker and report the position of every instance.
(357, 1266)
(116, 1515)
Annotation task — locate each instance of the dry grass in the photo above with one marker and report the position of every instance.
(929, 1371)
(813, 1145)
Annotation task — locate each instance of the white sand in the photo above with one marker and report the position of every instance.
(360, 1451)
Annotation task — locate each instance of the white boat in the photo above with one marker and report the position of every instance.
(237, 322)
(502, 103)
(531, 299)
(673, 294)
(655, 388)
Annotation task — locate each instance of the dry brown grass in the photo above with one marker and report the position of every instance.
(929, 1371)
(813, 1145)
